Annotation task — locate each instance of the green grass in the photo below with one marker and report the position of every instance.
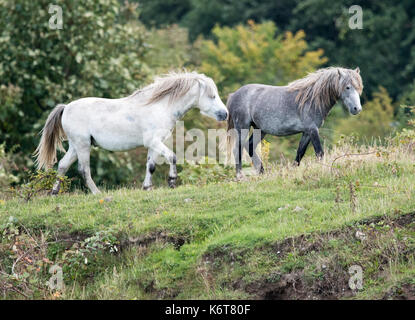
(221, 240)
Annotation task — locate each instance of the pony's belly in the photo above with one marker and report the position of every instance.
(282, 132)
(117, 143)
(282, 128)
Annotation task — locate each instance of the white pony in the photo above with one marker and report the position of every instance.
(145, 118)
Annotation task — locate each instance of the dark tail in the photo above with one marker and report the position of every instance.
(52, 136)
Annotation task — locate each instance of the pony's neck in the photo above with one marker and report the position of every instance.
(330, 106)
(179, 108)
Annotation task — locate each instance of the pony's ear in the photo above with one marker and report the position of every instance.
(357, 70)
(341, 73)
(202, 87)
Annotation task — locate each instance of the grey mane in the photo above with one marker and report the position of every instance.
(321, 88)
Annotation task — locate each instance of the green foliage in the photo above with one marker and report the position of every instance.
(27, 255)
(375, 120)
(203, 173)
(6, 169)
(41, 183)
(290, 221)
(10, 98)
(404, 115)
(205, 14)
(408, 96)
(85, 258)
(23, 262)
(99, 52)
(255, 53)
(103, 50)
(386, 25)
(161, 13)
(407, 135)
(170, 49)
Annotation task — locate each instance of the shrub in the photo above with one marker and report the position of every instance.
(203, 173)
(41, 183)
(6, 168)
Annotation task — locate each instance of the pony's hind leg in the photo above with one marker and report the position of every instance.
(253, 142)
(64, 164)
(302, 147)
(160, 148)
(83, 151)
(241, 136)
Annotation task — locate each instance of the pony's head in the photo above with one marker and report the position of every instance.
(209, 101)
(202, 89)
(350, 89)
(321, 89)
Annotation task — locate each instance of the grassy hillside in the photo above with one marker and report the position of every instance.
(292, 233)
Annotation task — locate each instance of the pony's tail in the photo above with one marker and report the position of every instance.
(52, 136)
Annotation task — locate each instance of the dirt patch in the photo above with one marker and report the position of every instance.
(290, 286)
(403, 292)
(68, 239)
(301, 245)
(294, 286)
(159, 236)
(305, 244)
(165, 293)
(331, 278)
(399, 221)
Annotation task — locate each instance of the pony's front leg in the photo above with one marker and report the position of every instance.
(150, 168)
(315, 140)
(161, 148)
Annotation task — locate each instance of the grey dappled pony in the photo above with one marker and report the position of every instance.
(299, 107)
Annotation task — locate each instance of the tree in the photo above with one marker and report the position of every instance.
(99, 52)
(384, 49)
(96, 53)
(170, 49)
(205, 14)
(161, 13)
(256, 53)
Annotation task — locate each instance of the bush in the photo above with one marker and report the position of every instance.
(203, 173)
(99, 52)
(256, 53)
(6, 168)
(375, 121)
(41, 183)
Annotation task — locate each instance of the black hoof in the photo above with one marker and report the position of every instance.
(54, 192)
(172, 182)
(147, 188)
(261, 171)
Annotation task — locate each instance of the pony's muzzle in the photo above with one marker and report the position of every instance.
(221, 115)
(356, 110)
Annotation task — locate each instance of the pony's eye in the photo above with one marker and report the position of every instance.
(348, 87)
(213, 97)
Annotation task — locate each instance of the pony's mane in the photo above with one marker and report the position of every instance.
(175, 85)
(321, 88)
